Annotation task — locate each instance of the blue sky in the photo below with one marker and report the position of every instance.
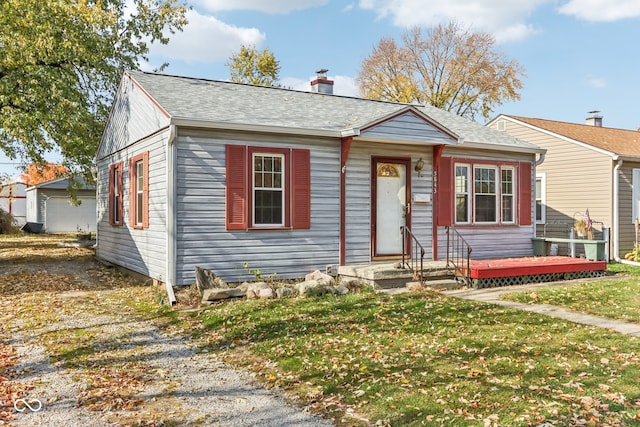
(579, 55)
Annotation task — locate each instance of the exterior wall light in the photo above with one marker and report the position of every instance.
(419, 166)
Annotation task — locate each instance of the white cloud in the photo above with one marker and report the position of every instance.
(596, 82)
(267, 6)
(505, 19)
(602, 10)
(206, 39)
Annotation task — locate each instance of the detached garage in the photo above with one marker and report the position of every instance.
(49, 203)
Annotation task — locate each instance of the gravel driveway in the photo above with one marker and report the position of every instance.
(92, 360)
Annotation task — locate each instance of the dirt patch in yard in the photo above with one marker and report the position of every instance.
(90, 345)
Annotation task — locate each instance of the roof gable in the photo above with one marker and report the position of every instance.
(409, 125)
(622, 142)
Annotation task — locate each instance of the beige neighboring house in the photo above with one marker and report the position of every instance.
(587, 166)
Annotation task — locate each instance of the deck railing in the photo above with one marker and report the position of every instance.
(412, 254)
(459, 255)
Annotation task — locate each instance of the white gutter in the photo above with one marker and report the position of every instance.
(615, 229)
(171, 218)
(508, 148)
(211, 124)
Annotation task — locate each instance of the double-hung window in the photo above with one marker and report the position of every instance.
(116, 193)
(508, 194)
(462, 194)
(485, 194)
(139, 191)
(268, 189)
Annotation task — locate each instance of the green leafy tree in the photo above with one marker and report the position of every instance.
(254, 67)
(448, 67)
(60, 66)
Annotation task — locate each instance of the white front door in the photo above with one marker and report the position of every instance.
(391, 206)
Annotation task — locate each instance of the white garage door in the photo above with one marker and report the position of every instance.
(62, 217)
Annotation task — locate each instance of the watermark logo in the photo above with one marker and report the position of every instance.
(23, 405)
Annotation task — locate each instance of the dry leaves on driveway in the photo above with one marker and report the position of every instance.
(88, 342)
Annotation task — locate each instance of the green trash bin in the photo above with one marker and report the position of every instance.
(538, 246)
(594, 250)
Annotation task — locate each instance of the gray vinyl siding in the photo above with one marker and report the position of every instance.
(134, 116)
(492, 241)
(140, 250)
(358, 199)
(202, 237)
(408, 127)
(577, 178)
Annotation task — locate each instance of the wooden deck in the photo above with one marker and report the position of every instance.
(515, 271)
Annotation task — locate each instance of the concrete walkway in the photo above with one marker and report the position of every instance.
(492, 295)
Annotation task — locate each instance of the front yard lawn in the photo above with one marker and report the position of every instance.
(425, 359)
(615, 298)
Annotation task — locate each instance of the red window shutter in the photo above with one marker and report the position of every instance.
(120, 176)
(112, 183)
(145, 190)
(132, 192)
(301, 189)
(525, 185)
(236, 198)
(445, 192)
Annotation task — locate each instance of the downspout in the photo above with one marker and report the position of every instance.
(535, 169)
(615, 227)
(345, 148)
(171, 218)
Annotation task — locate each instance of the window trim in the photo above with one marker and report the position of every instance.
(286, 155)
(467, 193)
(514, 186)
(116, 181)
(497, 194)
(542, 176)
(136, 211)
(283, 155)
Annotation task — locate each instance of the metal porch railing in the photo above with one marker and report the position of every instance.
(412, 254)
(459, 255)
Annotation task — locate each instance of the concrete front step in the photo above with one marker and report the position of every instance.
(386, 276)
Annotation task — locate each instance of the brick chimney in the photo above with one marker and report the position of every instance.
(594, 119)
(322, 84)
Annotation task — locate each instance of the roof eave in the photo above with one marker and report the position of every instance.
(212, 124)
(501, 147)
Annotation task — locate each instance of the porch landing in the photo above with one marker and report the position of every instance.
(516, 271)
(486, 273)
(389, 275)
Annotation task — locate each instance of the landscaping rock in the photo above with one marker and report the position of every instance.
(217, 294)
(253, 290)
(312, 288)
(341, 290)
(286, 292)
(207, 279)
(322, 278)
(266, 293)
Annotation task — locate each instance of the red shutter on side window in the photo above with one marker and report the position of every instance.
(120, 177)
(445, 192)
(112, 183)
(132, 192)
(145, 190)
(236, 198)
(301, 189)
(525, 184)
